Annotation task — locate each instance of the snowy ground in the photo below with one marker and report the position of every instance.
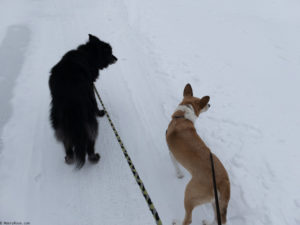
(244, 54)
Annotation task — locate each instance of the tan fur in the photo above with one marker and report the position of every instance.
(192, 153)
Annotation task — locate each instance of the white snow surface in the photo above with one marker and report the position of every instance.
(244, 54)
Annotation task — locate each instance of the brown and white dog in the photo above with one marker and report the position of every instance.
(187, 148)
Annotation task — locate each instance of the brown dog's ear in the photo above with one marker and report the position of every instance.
(204, 101)
(188, 91)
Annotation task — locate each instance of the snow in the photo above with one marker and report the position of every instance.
(244, 54)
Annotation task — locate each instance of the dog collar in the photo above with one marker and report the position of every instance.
(178, 117)
(188, 112)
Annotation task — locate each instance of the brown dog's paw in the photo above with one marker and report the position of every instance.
(94, 158)
(69, 160)
(100, 113)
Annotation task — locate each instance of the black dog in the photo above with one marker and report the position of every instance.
(74, 107)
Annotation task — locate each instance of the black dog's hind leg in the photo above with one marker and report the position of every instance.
(92, 156)
(69, 158)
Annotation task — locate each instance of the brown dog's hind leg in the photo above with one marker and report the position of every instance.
(223, 196)
(195, 194)
(224, 199)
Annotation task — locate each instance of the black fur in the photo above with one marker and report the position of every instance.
(73, 106)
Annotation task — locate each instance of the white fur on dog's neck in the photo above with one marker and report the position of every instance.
(189, 112)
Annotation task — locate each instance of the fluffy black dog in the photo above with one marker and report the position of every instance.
(74, 107)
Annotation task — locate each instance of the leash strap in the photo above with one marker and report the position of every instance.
(133, 170)
(215, 189)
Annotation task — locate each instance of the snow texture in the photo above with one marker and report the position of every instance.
(244, 54)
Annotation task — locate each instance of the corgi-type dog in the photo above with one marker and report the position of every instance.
(187, 148)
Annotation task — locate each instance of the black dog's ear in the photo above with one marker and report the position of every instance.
(93, 38)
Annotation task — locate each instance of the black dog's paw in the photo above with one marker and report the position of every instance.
(100, 113)
(69, 159)
(94, 158)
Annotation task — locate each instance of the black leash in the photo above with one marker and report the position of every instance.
(215, 189)
(133, 170)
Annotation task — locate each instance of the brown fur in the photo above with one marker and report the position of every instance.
(192, 153)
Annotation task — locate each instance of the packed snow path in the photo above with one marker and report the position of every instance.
(245, 55)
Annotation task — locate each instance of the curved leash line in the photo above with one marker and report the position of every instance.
(133, 170)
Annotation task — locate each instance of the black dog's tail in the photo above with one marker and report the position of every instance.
(75, 133)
